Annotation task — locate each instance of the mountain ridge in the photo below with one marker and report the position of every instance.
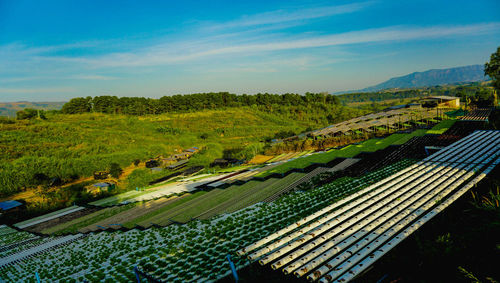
(432, 77)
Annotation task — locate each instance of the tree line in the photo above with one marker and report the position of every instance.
(189, 102)
(474, 91)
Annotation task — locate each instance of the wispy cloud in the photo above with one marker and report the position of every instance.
(161, 56)
(184, 51)
(286, 16)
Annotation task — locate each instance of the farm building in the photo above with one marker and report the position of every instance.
(182, 155)
(100, 187)
(177, 165)
(443, 101)
(156, 169)
(101, 175)
(168, 161)
(10, 206)
(152, 163)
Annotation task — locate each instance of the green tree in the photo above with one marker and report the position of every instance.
(78, 105)
(29, 113)
(492, 68)
(115, 170)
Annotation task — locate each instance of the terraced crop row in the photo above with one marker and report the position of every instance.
(179, 253)
(252, 195)
(342, 240)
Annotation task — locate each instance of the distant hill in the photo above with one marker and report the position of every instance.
(472, 73)
(10, 108)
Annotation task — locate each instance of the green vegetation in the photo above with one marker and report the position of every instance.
(479, 93)
(259, 194)
(29, 113)
(146, 219)
(191, 102)
(10, 108)
(216, 201)
(441, 127)
(492, 69)
(73, 146)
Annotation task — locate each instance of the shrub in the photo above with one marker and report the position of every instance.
(115, 170)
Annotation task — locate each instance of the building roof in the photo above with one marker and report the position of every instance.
(9, 204)
(444, 97)
(101, 185)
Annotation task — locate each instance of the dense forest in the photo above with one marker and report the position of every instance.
(190, 102)
(220, 100)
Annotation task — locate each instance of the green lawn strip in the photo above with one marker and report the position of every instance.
(235, 168)
(75, 224)
(113, 200)
(164, 218)
(265, 192)
(442, 127)
(188, 212)
(146, 218)
(117, 198)
(243, 192)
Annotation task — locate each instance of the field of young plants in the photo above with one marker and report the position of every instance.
(188, 236)
(161, 206)
(176, 253)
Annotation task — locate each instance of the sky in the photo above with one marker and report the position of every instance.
(57, 50)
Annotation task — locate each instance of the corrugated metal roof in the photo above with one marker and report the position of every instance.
(9, 204)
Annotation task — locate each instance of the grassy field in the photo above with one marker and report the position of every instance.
(145, 220)
(441, 127)
(72, 146)
(350, 151)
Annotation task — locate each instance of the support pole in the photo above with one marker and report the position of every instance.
(233, 269)
(137, 277)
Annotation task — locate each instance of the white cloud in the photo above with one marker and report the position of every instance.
(157, 55)
(284, 16)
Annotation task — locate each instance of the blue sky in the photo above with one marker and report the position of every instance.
(56, 50)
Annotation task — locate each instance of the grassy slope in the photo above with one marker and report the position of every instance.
(66, 145)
